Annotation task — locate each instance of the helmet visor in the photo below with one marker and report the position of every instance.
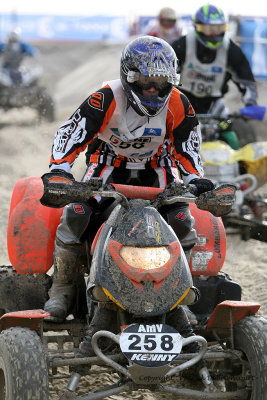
(211, 29)
(157, 82)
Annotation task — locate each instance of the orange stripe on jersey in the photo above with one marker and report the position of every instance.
(186, 164)
(108, 114)
(176, 112)
(70, 158)
(191, 111)
(94, 157)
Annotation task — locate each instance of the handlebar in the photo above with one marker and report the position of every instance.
(137, 192)
(218, 117)
(58, 193)
(62, 190)
(255, 112)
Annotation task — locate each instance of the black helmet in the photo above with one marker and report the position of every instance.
(148, 62)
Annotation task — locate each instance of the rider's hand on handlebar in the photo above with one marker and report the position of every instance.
(58, 179)
(175, 189)
(60, 175)
(218, 201)
(201, 185)
(225, 125)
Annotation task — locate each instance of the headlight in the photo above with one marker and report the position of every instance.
(145, 257)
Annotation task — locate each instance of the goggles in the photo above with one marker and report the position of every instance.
(167, 23)
(147, 82)
(157, 82)
(211, 29)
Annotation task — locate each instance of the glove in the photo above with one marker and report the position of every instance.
(225, 125)
(219, 201)
(175, 189)
(59, 178)
(201, 185)
(62, 173)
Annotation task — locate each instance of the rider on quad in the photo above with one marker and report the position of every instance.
(167, 25)
(13, 51)
(147, 129)
(208, 59)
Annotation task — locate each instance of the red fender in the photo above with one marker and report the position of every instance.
(230, 310)
(31, 228)
(27, 319)
(208, 254)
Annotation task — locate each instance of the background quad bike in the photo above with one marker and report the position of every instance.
(35, 97)
(245, 131)
(248, 217)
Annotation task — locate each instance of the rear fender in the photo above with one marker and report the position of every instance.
(31, 228)
(208, 254)
(27, 319)
(230, 312)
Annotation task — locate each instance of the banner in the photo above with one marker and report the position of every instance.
(67, 28)
(253, 38)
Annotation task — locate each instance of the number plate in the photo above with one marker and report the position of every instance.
(150, 345)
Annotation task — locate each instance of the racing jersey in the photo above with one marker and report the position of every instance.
(128, 140)
(201, 79)
(235, 67)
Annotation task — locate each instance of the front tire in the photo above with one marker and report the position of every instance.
(250, 336)
(20, 292)
(23, 369)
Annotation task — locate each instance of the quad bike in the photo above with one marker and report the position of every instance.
(21, 88)
(214, 125)
(138, 269)
(245, 167)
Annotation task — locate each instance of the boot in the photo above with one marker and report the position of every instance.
(103, 319)
(178, 319)
(63, 290)
(190, 315)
